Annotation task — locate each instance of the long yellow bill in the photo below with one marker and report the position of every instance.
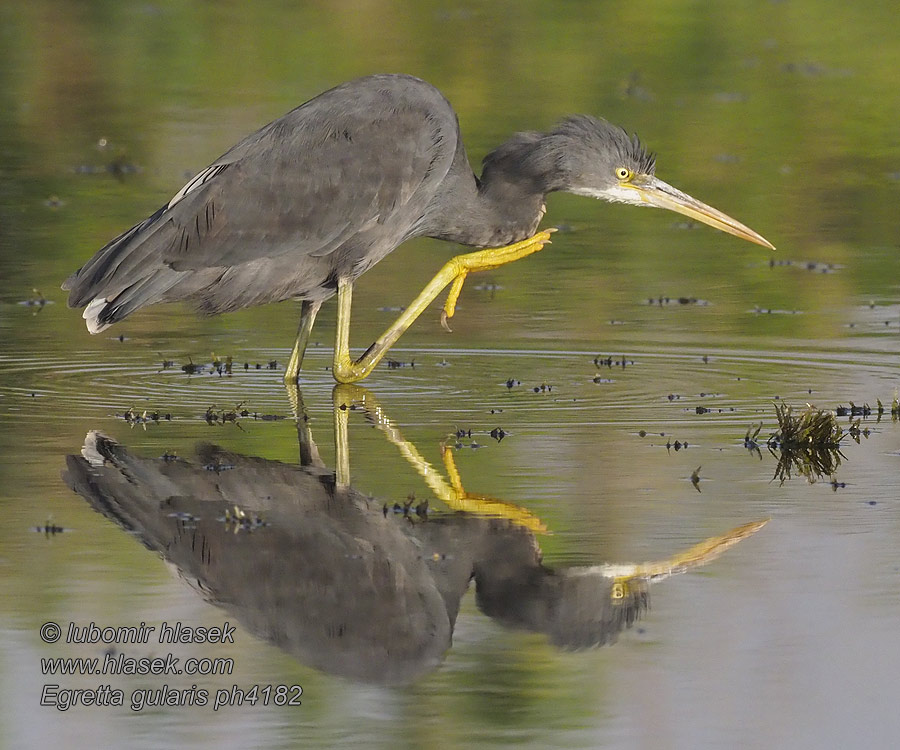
(655, 192)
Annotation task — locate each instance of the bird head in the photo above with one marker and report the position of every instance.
(594, 158)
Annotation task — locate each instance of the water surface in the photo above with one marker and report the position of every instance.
(787, 639)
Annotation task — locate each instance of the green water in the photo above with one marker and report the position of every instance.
(781, 114)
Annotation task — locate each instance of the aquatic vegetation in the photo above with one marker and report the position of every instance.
(817, 428)
(808, 443)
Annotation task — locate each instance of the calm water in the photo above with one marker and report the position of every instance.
(787, 639)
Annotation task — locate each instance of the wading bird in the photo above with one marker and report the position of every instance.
(303, 207)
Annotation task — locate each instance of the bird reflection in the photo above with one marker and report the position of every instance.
(321, 570)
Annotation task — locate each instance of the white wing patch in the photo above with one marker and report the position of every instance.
(196, 182)
(91, 315)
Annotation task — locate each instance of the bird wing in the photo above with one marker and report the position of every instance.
(305, 184)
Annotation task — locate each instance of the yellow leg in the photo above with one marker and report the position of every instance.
(308, 312)
(341, 411)
(453, 494)
(455, 270)
(485, 505)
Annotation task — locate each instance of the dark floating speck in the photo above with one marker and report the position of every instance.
(663, 301)
(242, 520)
(49, 529)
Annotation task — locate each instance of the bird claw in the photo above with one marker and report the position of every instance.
(444, 324)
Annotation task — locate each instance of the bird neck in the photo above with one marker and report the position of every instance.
(506, 204)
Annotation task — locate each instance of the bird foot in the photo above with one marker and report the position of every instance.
(485, 260)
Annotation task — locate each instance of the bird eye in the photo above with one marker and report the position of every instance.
(624, 174)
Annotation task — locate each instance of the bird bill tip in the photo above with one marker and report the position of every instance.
(662, 195)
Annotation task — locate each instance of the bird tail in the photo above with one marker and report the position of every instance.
(122, 276)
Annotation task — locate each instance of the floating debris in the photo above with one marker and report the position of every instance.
(191, 369)
(134, 418)
(856, 411)
(757, 310)
(713, 409)
(498, 433)
(806, 265)
(241, 520)
(512, 383)
(662, 301)
(409, 508)
(49, 528)
(221, 366)
(37, 301)
(895, 409)
(695, 478)
(183, 516)
(226, 415)
(542, 388)
(750, 442)
(609, 362)
(393, 364)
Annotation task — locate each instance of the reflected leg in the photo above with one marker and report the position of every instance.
(453, 495)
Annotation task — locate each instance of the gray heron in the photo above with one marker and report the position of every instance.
(307, 204)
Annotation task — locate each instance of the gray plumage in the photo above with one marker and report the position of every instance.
(332, 579)
(326, 191)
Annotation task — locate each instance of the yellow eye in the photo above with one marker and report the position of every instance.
(624, 174)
